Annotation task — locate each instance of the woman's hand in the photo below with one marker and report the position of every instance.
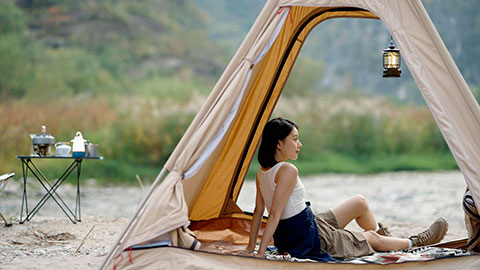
(258, 255)
(245, 252)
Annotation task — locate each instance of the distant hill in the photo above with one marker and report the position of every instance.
(140, 32)
(349, 50)
(62, 47)
(229, 21)
(101, 45)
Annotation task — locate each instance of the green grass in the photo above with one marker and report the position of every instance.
(336, 163)
(104, 171)
(118, 172)
(110, 171)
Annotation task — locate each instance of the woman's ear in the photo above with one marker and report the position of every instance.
(279, 144)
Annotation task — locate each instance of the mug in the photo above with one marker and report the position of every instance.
(91, 150)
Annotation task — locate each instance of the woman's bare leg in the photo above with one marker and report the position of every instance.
(384, 243)
(355, 208)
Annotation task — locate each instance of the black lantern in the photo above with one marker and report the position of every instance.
(391, 61)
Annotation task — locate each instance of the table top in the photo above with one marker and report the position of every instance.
(59, 157)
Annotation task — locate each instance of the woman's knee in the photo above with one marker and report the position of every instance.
(361, 202)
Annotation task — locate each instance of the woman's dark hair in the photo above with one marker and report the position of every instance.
(275, 130)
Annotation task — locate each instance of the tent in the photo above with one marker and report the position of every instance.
(201, 180)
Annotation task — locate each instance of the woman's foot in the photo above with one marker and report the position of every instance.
(434, 234)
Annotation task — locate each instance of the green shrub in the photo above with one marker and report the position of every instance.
(68, 72)
(12, 17)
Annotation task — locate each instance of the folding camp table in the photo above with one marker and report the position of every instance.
(3, 184)
(29, 166)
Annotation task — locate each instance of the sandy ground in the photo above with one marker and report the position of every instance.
(50, 240)
(406, 202)
(56, 243)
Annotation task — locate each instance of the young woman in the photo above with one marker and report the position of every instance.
(291, 222)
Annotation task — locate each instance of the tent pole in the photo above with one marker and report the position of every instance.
(133, 218)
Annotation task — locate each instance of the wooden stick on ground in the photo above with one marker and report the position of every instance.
(84, 238)
(140, 182)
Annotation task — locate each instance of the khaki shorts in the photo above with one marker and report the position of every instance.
(340, 243)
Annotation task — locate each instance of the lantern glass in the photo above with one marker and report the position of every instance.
(391, 60)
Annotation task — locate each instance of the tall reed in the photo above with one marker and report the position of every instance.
(137, 134)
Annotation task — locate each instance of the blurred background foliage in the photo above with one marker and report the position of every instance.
(130, 75)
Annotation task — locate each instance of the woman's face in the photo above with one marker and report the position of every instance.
(289, 148)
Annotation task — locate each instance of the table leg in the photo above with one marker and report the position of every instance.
(79, 165)
(51, 191)
(24, 197)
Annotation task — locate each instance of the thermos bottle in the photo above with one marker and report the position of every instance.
(78, 148)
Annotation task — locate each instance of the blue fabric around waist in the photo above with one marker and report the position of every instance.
(298, 235)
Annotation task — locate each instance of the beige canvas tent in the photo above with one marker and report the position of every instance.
(201, 181)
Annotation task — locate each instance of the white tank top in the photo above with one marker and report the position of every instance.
(296, 202)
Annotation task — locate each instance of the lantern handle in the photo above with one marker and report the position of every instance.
(392, 45)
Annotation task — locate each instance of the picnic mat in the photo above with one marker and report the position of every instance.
(410, 255)
(415, 254)
(407, 255)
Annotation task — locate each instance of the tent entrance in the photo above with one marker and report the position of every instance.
(292, 51)
(232, 163)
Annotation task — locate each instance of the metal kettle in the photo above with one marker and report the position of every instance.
(41, 143)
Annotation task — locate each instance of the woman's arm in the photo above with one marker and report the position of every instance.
(257, 218)
(286, 181)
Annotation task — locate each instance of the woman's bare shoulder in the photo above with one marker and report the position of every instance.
(288, 168)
